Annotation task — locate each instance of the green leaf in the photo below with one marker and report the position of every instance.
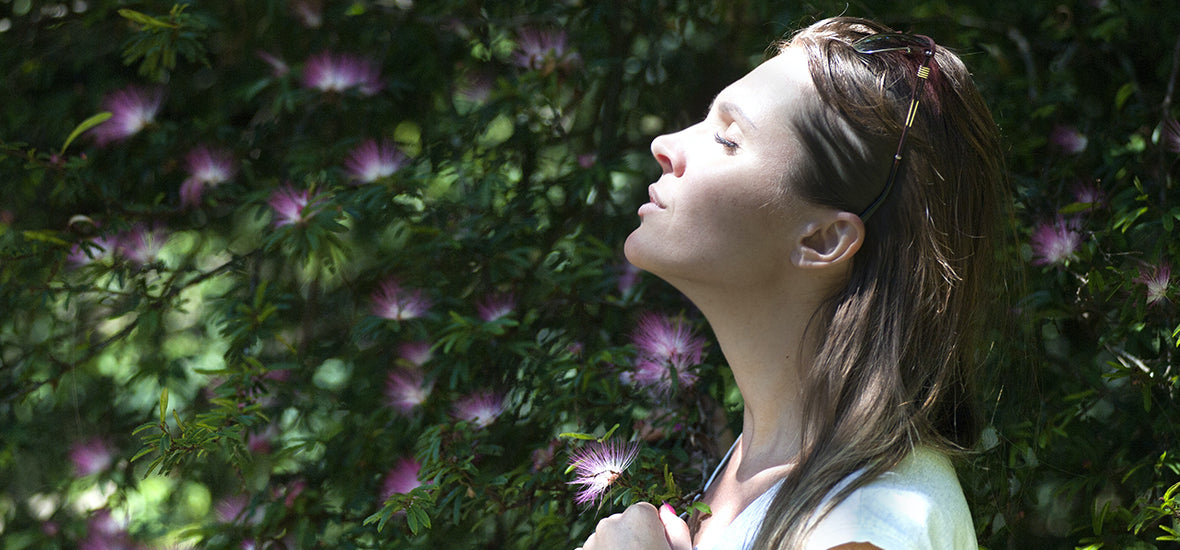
(577, 435)
(82, 127)
(146, 20)
(164, 406)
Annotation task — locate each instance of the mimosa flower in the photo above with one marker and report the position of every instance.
(402, 478)
(598, 466)
(107, 245)
(544, 51)
(207, 167)
(142, 245)
(371, 161)
(1088, 193)
(668, 339)
(1170, 135)
(406, 389)
(132, 109)
(415, 353)
(328, 72)
(291, 207)
(495, 306)
(480, 408)
(663, 376)
(1054, 243)
(1156, 279)
(391, 301)
(1068, 139)
(91, 457)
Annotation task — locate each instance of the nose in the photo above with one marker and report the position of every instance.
(666, 150)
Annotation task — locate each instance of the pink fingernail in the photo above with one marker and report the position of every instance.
(669, 508)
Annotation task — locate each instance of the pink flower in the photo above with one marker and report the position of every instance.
(628, 278)
(278, 67)
(1088, 193)
(1170, 135)
(667, 352)
(328, 72)
(474, 87)
(1156, 279)
(599, 465)
(291, 207)
(480, 408)
(371, 161)
(206, 168)
(496, 306)
(391, 301)
(406, 389)
(231, 508)
(415, 353)
(132, 109)
(91, 457)
(402, 478)
(1054, 243)
(142, 245)
(1068, 139)
(544, 51)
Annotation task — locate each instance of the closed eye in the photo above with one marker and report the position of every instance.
(730, 146)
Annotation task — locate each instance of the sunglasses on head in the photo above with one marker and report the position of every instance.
(909, 44)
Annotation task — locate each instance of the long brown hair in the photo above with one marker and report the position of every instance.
(898, 349)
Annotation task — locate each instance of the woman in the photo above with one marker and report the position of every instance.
(839, 255)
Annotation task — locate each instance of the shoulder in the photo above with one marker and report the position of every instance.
(917, 505)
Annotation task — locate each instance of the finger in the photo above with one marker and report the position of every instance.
(679, 537)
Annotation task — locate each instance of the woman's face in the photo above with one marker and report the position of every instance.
(723, 212)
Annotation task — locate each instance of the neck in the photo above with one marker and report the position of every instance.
(763, 337)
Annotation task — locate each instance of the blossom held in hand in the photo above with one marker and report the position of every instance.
(598, 465)
(371, 161)
(132, 109)
(207, 167)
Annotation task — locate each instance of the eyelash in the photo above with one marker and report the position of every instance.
(730, 146)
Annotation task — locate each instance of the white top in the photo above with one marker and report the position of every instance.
(918, 505)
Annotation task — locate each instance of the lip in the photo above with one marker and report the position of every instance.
(653, 197)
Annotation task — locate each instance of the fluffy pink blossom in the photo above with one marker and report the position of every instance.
(668, 351)
(1156, 279)
(1054, 243)
(231, 508)
(415, 353)
(544, 51)
(599, 465)
(104, 532)
(1088, 193)
(371, 161)
(207, 167)
(142, 244)
(392, 301)
(402, 478)
(291, 206)
(406, 389)
(474, 87)
(132, 109)
(91, 456)
(1068, 139)
(495, 306)
(480, 408)
(329, 72)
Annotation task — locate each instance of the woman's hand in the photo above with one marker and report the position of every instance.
(641, 527)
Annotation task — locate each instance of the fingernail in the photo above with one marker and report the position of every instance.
(668, 508)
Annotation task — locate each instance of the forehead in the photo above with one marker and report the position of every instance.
(774, 89)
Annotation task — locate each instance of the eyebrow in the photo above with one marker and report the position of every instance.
(732, 108)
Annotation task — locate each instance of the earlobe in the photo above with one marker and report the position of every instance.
(830, 242)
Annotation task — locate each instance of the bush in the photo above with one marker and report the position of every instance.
(347, 274)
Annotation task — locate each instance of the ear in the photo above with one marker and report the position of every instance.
(831, 240)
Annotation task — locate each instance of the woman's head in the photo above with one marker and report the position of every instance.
(898, 340)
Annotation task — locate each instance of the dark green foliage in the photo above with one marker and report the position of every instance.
(234, 367)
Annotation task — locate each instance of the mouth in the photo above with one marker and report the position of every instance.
(652, 197)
